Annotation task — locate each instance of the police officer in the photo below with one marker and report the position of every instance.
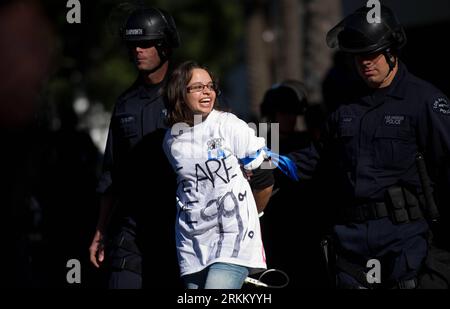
(133, 213)
(371, 144)
(282, 104)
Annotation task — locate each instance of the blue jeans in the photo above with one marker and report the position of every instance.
(217, 276)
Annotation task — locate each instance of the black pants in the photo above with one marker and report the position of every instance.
(400, 248)
(123, 276)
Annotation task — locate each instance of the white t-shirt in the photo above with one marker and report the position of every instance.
(217, 219)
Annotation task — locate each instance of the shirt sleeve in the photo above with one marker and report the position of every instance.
(434, 133)
(243, 140)
(105, 180)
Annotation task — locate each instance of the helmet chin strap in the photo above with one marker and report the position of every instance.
(391, 60)
(161, 63)
(163, 53)
(163, 57)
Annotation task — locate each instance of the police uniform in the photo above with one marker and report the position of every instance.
(373, 142)
(137, 172)
(135, 169)
(138, 111)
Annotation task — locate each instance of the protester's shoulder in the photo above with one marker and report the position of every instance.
(228, 123)
(228, 118)
(232, 124)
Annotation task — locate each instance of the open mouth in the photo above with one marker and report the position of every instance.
(206, 102)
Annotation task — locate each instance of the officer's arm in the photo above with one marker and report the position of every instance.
(434, 134)
(104, 187)
(306, 159)
(434, 143)
(105, 181)
(105, 211)
(96, 249)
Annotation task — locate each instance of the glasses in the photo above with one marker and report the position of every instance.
(197, 87)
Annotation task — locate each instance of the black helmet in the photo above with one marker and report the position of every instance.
(289, 96)
(356, 35)
(151, 24)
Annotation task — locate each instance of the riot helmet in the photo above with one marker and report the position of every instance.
(289, 96)
(356, 35)
(152, 24)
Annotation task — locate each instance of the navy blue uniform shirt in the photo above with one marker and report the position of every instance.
(136, 171)
(139, 111)
(372, 141)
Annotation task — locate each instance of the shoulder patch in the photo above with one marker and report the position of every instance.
(442, 106)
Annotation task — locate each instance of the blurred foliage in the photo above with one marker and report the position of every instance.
(91, 59)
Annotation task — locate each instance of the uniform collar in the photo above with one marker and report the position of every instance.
(150, 91)
(396, 89)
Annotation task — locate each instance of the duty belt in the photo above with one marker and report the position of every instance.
(364, 212)
(401, 206)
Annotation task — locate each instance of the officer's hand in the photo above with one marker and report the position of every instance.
(96, 250)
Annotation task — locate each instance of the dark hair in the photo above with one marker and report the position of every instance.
(176, 93)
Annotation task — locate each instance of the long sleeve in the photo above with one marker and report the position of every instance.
(306, 159)
(105, 181)
(434, 133)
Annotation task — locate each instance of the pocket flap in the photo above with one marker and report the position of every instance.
(347, 131)
(392, 133)
(126, 124)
